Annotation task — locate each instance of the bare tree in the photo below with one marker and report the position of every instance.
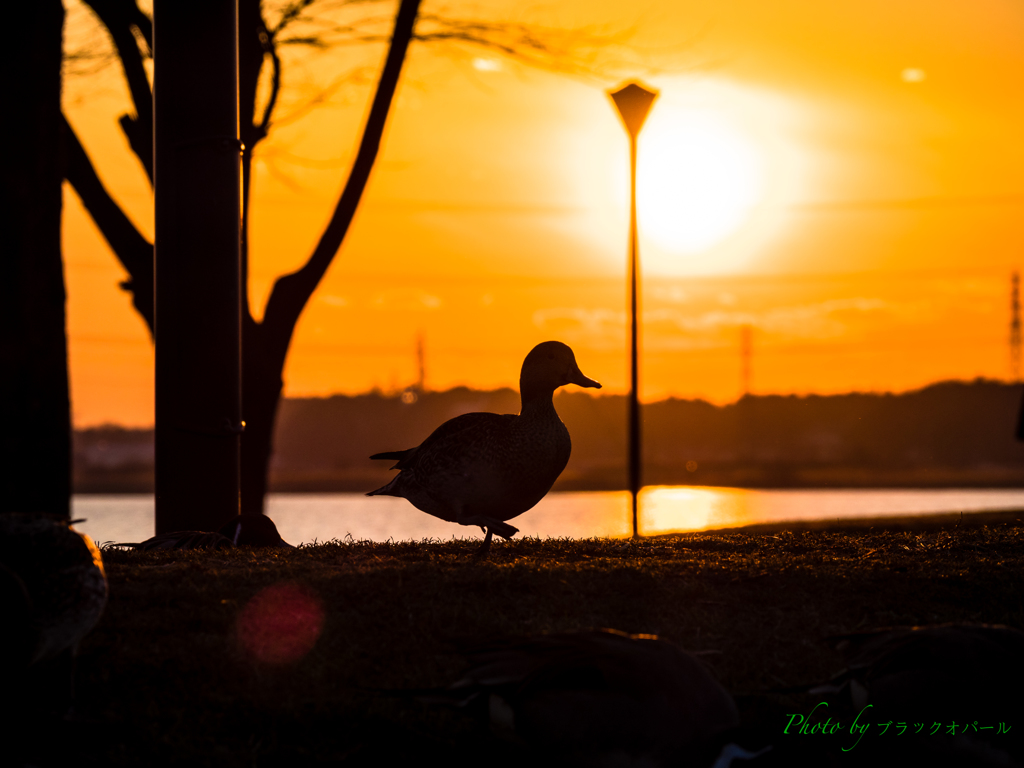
(265, 343)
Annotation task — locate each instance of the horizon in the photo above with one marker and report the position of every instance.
(597, 395)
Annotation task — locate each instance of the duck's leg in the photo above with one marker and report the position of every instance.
(482, 552)
(491, 524)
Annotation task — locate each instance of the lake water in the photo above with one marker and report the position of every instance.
(322, 517)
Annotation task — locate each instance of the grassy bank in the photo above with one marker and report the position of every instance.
(164, 679)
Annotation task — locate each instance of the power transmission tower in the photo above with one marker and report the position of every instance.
(1015, 327)
(421, 365)
(746, 350)
(412, 393)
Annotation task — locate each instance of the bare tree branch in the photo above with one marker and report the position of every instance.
(292, 292)
(577, 51)
(275, 86)
(121, 17)
(133, 250)
(567, 51)
(289, 14)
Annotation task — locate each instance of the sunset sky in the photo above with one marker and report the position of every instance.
(845, 177)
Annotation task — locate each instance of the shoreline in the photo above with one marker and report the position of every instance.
(926, 522)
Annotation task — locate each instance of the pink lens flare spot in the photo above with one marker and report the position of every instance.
(280, 624)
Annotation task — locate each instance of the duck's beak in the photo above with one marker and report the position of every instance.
(576, 377)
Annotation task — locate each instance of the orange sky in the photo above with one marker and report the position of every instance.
(842, 176)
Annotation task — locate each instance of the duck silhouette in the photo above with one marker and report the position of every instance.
(52, 583)
(925, 669)
(485, 468)
(968, 674)
(597, 697)
(53, 590)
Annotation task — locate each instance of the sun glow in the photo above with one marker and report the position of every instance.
(698, 179)
(717, 162)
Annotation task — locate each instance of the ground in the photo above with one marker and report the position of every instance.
(167, 677)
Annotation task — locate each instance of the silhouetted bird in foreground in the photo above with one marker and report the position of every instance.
(52, 585)
(239, 531)
(53, 590)
(599, 698)
(970, 675)
(485, 468)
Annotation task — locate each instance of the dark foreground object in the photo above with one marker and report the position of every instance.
(596, 698)
(239, 531)
(52, 593)
(961, 681)
(168, 675)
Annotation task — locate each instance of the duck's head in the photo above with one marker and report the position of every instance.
(549, 366)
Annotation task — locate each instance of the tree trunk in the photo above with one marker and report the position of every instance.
(266, 344)
(198, 275)
(262, 381)
(35, 439)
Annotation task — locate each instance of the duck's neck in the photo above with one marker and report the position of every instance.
(537, 404)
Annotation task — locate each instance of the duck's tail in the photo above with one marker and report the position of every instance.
(395, 455)
(386, 490)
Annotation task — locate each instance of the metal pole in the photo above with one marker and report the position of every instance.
(634, 402)
(198, 287)
(633, 102)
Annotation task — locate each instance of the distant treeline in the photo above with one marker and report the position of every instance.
(948, 434)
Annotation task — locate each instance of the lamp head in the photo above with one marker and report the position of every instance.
(633, 102)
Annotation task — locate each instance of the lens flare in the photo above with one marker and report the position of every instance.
(281, 624)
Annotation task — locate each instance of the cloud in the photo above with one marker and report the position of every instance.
(406, 300)
(823, 319)
(594, 326)
(600, 327)
(430, 301)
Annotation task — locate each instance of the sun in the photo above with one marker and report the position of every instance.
(719, 163)
(698, 179)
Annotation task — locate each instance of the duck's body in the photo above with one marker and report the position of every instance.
(485, 468)
(598, 698)
(483, 465)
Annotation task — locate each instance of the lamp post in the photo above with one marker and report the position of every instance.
(633, 102)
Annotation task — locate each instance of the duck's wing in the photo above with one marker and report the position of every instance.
(455, 440)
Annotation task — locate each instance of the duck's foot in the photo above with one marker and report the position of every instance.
(504, 530)
(492, 525)
(481, 553)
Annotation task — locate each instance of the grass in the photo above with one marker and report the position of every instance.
(163, 678)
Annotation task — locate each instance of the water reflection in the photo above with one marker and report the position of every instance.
(322, 517)
(667, 509)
